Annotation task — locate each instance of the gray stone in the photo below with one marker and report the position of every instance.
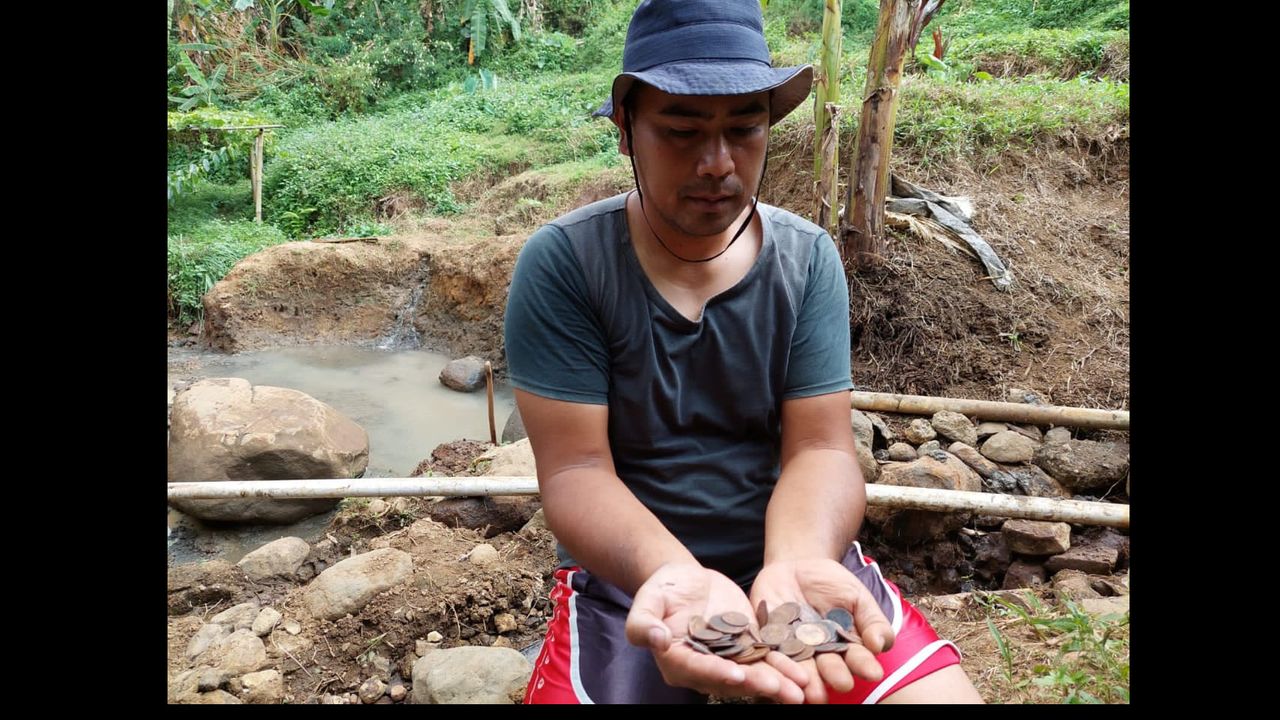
(514, 430)
(955, 426)
(471, 674)
(1037, 537)
(1009, 447)
(902, 452)
(1022, 574)
(1094, 559)
(262, 688)
(1083, 465)
(483, 555)
(919, 431)
(973, 459)
(265, 622)
(278, 558)
(464, 375)
(348, 585)
(225, 429)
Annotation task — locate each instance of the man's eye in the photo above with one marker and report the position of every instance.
(747, 131)
(679, 133)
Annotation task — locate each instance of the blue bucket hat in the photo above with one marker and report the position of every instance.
(705, 47)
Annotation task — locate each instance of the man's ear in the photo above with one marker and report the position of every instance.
(619, 119)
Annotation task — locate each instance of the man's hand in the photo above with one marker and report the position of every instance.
(824, 584)
(659, 620)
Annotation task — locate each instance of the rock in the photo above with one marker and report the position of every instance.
(1022, 574)
(954, 426)
(433, 637)
(863, 431)
(471, 674)
(1031, 432)
(278, 558)
(348, 585)
(929, 448)
(1093, 559)
(901, 452)
(464, 375)
(238, 617)
(514, 430)
(1036, 537)
(536, 524)
(292, 627)
(1106, 606)
(989, 428)
(1073, 585)
(910, 527)
(265, 622)
(262, 688)
(225, 428)
(1084, 465)
(919, 431)
(483, 555)
(504, 622)
(1057, 436)
(1019, 395)
(204, 638)
(239, 653)
(1009, 447)
(973, 459)
(370, 690)
(398, 692)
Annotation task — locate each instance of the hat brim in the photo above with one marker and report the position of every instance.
(788, 86)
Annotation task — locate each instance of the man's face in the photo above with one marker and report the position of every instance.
(698, 157)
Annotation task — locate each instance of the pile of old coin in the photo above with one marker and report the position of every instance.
(794, 630)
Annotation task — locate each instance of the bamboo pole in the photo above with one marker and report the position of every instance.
(991, 410)
(257, 176)
(1011, 506)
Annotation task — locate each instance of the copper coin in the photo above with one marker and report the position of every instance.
(762, 613)
(755, 634)
(775, 634)
(718, 622)
(792, 646)
(735, 619)
(784, 614)
(811, 633)
(848, 636)
(832, 647)
(803, 655)
(705, 634)
(697, 646)
(752, 656)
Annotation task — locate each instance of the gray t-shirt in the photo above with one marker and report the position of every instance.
(694, 407)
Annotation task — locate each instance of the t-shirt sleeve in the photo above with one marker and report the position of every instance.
(819, 362)
(555, 346)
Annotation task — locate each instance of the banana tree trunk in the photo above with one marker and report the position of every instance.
(862, 238)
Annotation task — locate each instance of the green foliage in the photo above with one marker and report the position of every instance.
(482, 24)
(201, 254)
(939, 119)
(1058, 53)
(199, 89)
(324, 175)
(968, 18)
(198, 154)
(543, 52)
(1092, 664)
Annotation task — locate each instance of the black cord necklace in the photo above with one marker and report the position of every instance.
(741, 229)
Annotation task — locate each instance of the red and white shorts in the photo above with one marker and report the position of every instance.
(586, 658)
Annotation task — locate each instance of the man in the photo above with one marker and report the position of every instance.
(681, 358)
